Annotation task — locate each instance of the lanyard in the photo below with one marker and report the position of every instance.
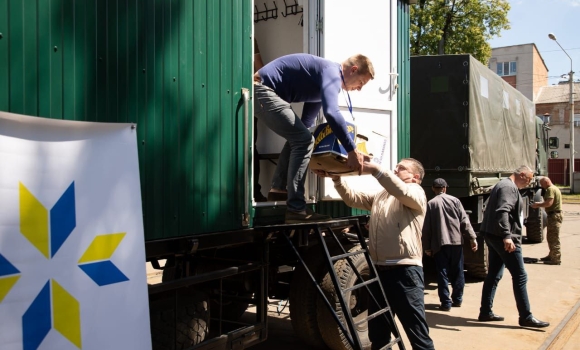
(349, 103)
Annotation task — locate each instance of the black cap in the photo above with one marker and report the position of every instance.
(439, 183)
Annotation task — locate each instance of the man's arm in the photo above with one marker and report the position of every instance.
(309, 112)
(426, 232)
(329, 91)
(409, 195)
(466, 228)
(331, 85)
(506, 198)
(506, 201)
(547, 202)
(352, 198)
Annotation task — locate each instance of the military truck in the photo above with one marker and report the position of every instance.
(472, 128)
(182, 72)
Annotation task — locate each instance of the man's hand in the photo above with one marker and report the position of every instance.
(535, 205)
(323, 173)
(355, 161)
(429, 252)
(509, 245)
(473, 245)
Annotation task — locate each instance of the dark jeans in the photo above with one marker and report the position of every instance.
(449, 263)
(404, 287)
(514, 262)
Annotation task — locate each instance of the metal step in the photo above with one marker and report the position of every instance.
(327, 231)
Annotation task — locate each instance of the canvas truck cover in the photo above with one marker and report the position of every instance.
(465, 118)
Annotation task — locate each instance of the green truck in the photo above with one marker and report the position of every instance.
(181, 70)
(472, 128)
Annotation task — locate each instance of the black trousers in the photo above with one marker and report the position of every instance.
(404, 287)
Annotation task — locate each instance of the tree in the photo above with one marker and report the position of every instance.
(457, 26)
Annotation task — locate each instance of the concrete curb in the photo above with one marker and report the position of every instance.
(565, 328)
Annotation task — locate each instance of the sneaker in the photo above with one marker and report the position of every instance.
(456, 304)
(552, 262)
(546, 258)
(298, 218)
(277, 196)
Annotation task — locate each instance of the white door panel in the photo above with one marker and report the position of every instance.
(362, 27)
(367, 27)
(366, 117)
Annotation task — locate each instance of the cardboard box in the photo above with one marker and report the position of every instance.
(329, 154)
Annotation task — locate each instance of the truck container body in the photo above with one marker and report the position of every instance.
(182, 71)
(468, 125)
(472, 128)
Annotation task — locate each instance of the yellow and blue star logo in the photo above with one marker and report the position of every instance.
(54, 307)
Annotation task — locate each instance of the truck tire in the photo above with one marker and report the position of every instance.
(358, 301)
(231, 310)
(179, 321)
(303, 296)
(535, 225)
(479, 270)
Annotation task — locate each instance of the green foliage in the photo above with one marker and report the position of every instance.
(457, 26)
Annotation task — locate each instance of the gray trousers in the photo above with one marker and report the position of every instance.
(290, 173)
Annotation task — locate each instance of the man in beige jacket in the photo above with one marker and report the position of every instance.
(397, 214)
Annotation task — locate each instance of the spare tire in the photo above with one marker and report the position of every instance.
(358, 300)
(303, 296)
(535, 225)
(179, 319)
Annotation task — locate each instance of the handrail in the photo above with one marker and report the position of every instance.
(246, 215)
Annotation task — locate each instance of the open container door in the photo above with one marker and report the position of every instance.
(368, 28)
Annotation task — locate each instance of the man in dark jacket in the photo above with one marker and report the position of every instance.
(502, 230)
(445, 223)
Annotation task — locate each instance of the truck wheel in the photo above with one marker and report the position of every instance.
(358, 302)
(535, 225)
(231, 310)
(179, 321)
(479, 270)
(303, 296)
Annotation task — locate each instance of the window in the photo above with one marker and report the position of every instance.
(576, 120)
(506, 68)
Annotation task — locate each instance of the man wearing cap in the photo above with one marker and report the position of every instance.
(445, 223)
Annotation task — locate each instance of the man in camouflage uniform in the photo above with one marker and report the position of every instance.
(553, 205)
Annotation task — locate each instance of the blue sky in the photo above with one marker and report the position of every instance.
(532, 20)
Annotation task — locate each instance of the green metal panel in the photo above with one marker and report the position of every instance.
(338, 209)
(4, 57)
(174, 67)
(403, 62)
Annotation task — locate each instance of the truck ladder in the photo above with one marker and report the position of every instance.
(347, 324)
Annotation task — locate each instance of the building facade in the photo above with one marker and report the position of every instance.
(554, 102)
(522, 67)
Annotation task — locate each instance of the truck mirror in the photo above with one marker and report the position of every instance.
(554, 154)
(554, 143)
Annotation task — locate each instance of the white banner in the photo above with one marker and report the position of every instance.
(72, 251)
